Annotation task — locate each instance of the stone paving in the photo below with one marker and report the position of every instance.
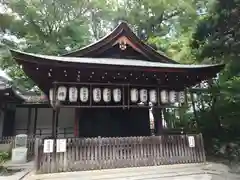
(209, 171)
(26, 169)
(16, 176)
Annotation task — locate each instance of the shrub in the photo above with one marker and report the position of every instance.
(4, 156)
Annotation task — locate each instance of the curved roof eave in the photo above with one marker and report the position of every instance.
(38, 58)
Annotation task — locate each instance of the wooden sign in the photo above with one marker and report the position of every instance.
(48, 146)
(191, 141)
(61, 145)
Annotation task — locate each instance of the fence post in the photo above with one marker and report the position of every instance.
(36, 154)
(99, 152)
(202, 148)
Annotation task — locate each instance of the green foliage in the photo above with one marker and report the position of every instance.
(217, 35)
(4, 156)
(57, 26)
(216, 39)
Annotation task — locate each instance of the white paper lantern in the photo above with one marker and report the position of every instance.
(143, 95)
(195, 97)
(172, 97)
(134, 95)
(181, 97)
(62, 93)
(84, 93)
(73, 94)
(117, 96)
(106, 95)
(164, 96)
(51, 94)
(96, 94)
(153, 96)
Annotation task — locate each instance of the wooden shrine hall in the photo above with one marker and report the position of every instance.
(113, 84)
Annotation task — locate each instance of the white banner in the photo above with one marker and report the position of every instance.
(48, 146)
(191, 141)
(61, 145)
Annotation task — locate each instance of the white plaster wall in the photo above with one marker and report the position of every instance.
(44, 121)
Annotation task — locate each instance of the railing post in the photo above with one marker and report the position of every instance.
(99, 151)
(36, 154)
(202, 148)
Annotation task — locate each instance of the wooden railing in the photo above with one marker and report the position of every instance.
(10, 142)
(45, 132)
(101, 153)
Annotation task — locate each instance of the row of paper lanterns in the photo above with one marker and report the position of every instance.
(142, 95)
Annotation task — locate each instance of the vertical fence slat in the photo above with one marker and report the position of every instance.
(202, 150)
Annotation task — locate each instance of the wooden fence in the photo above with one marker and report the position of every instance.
(7, 143)
(102, 153)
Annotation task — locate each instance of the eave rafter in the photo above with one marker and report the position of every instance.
(44, 70)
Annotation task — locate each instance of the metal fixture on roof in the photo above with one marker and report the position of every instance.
(123, 45)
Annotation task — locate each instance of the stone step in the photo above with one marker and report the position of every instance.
(27, 165)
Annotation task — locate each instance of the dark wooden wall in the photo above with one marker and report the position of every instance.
(115, 122)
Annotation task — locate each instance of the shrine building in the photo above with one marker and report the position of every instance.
(106, 89)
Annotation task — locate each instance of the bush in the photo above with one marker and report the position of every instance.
(4, 156)
(228, 150)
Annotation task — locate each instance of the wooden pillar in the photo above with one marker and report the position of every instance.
(29, 120)
(54, 136)
(57, 115)
(157, 113)
(35, 122)
(54, 125)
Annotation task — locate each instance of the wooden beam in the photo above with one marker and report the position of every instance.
(53, 123)
(35, 122)
(57, 115)
(54, 126)
(29, 120)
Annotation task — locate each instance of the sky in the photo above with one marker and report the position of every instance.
(4, 75)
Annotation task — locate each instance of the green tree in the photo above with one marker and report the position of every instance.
(44, 26)
(57, 26)
(216, 40)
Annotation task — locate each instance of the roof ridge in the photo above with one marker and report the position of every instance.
(122, 26)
